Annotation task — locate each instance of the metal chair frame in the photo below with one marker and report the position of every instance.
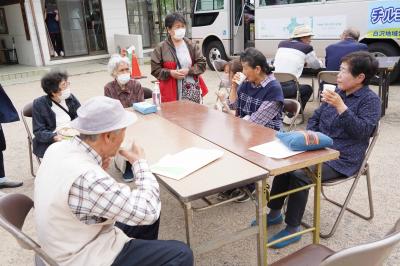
(285, 77)
(368, 254)
(364, 170)
(328, 77)
(27, 112)
(13, 211)
(288, 109)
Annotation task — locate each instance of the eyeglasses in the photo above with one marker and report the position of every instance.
(65, 84)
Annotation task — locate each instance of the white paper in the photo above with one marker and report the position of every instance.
(274, 149)
(183, 163)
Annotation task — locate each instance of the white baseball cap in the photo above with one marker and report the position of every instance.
(102, 114)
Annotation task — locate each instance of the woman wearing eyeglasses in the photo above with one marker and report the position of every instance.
(52, 111)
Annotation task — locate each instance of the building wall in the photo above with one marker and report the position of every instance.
(115, 21)
(25, 51)
(31, 52)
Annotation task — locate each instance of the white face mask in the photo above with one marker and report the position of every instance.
(65, 94)
(124, 78)
(180, 33)
(226, 82)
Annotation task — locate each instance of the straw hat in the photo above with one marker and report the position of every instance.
(302, 31)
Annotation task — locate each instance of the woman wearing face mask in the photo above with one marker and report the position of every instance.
(177, 61)
(123, 88)
(52, 111)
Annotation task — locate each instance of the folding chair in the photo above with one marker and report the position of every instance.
(148, 93)
(27, 112)
(13, 211)
(291, 108)
(369, 254)
(364, 170)
(329, 77)
(286, 77)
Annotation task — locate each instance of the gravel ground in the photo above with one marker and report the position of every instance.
(217, 221)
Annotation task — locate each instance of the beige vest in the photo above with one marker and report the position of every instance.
(65, 238)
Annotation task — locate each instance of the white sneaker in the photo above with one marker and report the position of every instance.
(61, 53)
(287, 120)
(55, 54)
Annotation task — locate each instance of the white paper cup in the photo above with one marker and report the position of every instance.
(242, 77)
(329, 87)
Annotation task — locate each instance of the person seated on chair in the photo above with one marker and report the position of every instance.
(258, 98)
(291, 57)
(348, 43)
(77, 203)
(52, 111)
(123, 88)
(349, 116)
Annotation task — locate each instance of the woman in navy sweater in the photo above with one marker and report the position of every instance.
(259, 99)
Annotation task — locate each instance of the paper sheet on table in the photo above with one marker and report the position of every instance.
(274, 149)
(183, 163)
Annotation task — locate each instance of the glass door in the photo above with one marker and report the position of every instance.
(94, 26)
(140, 19)
(73, 27)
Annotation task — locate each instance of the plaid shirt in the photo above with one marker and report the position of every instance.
(268, 113)
(94, 199)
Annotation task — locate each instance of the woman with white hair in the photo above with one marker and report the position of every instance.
(123, 88)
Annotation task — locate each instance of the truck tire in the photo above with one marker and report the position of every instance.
(214, 50)
(385, 49)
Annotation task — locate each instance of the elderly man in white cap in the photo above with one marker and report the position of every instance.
(77, 202)
(291, 57)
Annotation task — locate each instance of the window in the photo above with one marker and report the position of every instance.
(208, 5)
(284, 2)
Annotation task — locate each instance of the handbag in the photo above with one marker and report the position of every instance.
(191, 89)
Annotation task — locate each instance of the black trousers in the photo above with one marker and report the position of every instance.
(145, 249)
(2, 148)
(290, 91)
(57, 42)
(153, 253)
(147, 232)
(297, 202)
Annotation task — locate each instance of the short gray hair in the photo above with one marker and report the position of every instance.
(351, 33)
(94, 137)
(115, 61)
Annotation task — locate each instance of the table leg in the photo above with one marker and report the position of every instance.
(387, 89)
(261, 217)
(317, 202)
(187, 207)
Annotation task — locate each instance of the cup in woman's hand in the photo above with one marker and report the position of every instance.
(329, 87)
(239, 78)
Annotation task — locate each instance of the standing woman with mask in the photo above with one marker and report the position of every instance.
(52, 111)
(177, 62)
(123, 88)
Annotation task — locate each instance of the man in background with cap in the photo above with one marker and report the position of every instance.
(292, 56)
(77, 202)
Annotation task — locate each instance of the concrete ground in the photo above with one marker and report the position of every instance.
(352, 230)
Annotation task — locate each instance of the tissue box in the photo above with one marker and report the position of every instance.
(145, 108)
